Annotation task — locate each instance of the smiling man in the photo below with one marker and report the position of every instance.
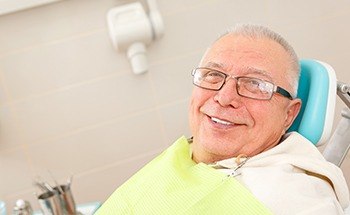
(240, 113)
(240, 159)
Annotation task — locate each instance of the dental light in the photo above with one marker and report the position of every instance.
(131, 30)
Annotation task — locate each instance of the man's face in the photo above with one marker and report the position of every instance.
(223, 123)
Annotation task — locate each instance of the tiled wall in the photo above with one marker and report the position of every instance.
(69, 102)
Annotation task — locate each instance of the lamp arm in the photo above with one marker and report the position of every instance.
(343, 91)
(339, 144)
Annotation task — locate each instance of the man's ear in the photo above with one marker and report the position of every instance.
(293, 110)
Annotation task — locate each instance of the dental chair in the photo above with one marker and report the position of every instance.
(317, 89)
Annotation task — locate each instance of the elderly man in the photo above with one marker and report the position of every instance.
(240, 159)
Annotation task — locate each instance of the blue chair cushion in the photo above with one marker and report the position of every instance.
(314, 91)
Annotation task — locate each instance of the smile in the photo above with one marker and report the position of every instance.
(219, 121)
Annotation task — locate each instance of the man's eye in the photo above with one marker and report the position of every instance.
(214, 77)
(255, 85)
(264, 87)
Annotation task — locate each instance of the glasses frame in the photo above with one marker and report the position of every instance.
(276, 88)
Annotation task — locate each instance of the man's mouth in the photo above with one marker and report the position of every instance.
(220, 121)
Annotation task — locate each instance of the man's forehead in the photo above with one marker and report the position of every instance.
(257, 47)
(236, 54)
(246, 69)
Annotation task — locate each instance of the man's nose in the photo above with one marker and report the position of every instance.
(228, 95)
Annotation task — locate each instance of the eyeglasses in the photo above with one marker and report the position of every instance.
(249, 87)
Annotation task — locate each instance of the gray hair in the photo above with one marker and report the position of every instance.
(258, 31)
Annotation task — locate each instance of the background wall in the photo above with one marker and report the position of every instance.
(70, 104)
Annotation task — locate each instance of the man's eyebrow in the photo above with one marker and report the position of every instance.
(248, 70)
(214, 65)
(252, 70)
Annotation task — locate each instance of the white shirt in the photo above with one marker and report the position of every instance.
(292, 178)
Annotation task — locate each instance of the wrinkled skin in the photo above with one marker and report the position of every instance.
(247, 126)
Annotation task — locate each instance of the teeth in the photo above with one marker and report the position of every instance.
(220, 121)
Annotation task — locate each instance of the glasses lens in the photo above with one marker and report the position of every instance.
(208, 79)
(254, 88)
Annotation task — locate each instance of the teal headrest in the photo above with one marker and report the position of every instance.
(317, 90)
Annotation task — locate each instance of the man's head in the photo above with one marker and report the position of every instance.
(224, 123)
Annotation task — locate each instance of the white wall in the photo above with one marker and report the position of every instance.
(69, 103)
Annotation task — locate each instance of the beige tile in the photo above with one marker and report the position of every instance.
(287, 13)
(64, 111)
(166, 7)
(321, 39)
(323, 47)
(50, 67)
(3, 97)
(338, 60)
(51, 22)
(196, 28)
(10, 133)
(98, 185)
(14, 171)
(175, 121)
(172, 80)
(100, 146)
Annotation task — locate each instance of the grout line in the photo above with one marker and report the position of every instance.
(84, 34)
(90, 32)
(173, 103)
(19, 193)
(29, 159)
(65, 88)
(89, 81)
(156, 108)
(111, 120)
(52, 42)
(15, 148)
(7, 95)
(120, 162)
(160, 119)
(14, 116)
(192, 7)
(166, 135)
(78, 130)
(315, 20)
(180, 56)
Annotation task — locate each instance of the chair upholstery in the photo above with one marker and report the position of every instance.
(317, 90)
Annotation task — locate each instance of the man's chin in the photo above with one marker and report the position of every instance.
(216, 150)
